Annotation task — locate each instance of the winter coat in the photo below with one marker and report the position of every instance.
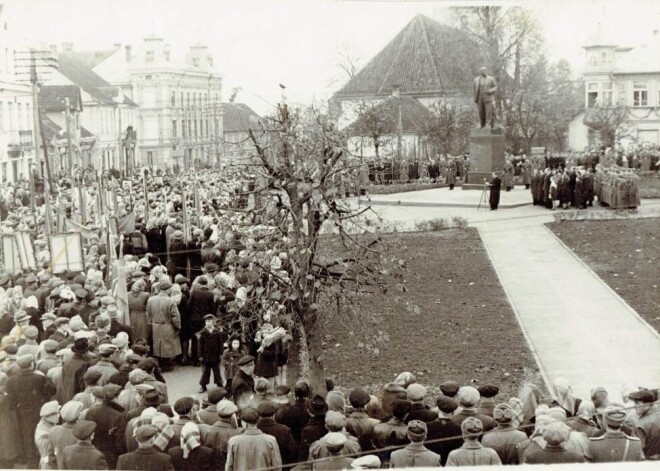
(145, 459)
(253, 449)
(83, 455)
(109, 433)
(200, 458)
(60, 437)
(505, 442)
(211, 345)
(10, 439)
(553, 454)
(473, 455)
(415, 455)
(285, 441)
(166, 323)
(137, 311)
(201, 303)
(73, 371)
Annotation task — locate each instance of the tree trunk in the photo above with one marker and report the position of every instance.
(311, 361)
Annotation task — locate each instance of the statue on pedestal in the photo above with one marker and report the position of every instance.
(484, 92)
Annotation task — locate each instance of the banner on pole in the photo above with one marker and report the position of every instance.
(66, 252)
(10, 254)
(25, 250)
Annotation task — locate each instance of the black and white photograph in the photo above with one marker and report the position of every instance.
(264, 235)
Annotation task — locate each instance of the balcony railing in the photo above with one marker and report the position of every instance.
(19, 138)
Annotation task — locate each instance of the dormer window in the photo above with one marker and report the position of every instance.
(149, 56)
(210, 61)
(195, 62)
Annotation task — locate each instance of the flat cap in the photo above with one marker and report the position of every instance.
(164, 285)
(92, 377)
(101, 322)
(184, 405)
(249, 415)
(107, 300)
(366, 462)
(216, 395)
(84, 429)
(145, 432)
(488, 390)
(211, 267)
(49, 346)
(137, 376)
(133, 358)
(335, 420)
(49, 408)
(110, 391)
(416, 392)
(358, 397)
(468, 396)
(107, 349)
(30, 279)
(31, 332)
(615, 414)
(140, 349)
(246, 360)
(645, 396)
(81, 293)
(112, 310)
(71, 411)
(61, 321)
(21, 316)
(446, 404)
(472, 427)
(49, 316)
(266, 409)
(25, 361)
(503, 413)
(450, 388)
(209, 316)
(226, 408)
(137, 274)
(97, 391)
(281, 390)
(335, 439)
(417, 428)
(596, 391)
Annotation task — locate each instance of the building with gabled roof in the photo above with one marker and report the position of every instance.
(427, 61)
(237, 121)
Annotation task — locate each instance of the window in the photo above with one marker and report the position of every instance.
(150, 158)
(181, 102)
(183, 128)
(592, 59)
(149, 56)
(173, 99)
(592, 94)
(174, 128)
(188, 99)
(640, 94)
(606, 59)
(195, 62)
(606, 88)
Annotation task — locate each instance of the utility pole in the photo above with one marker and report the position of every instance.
(69, 146)
(35, 111)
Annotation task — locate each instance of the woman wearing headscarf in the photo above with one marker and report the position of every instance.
(191, 455)
(529, 396)
(518, 412)
(583, 420)
(137, 309)
(564, 397)
(535, 442)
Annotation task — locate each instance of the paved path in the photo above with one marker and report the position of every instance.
(576, 325)
(457, 198)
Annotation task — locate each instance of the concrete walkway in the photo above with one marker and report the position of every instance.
(577, 326)
(456, 198)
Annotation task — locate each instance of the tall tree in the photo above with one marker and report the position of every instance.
(377, 122)
(564, 98)
(448, 128)
(612, 122)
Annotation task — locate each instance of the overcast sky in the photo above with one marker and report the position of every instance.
(258, 44)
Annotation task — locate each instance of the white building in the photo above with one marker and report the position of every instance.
(614, 74)
(180, 120)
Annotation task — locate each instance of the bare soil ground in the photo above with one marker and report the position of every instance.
(463, 329)
(625, 254)
(649, 187)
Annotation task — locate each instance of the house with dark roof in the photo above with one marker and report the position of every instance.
(103, 109)
(616, 74)
(238, 119)
(425, 63)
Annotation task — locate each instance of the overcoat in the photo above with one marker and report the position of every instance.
(83, 455)
(166, 323)
(145, 459)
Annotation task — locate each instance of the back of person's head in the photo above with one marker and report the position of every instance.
(401, 408)
(301, 390)
(261, 386)
(555, 433)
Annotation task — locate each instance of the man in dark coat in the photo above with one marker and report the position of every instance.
(315, 428)
(83, 455)
(74, 369)
(294, 415)
(444, 434)
(419, 411)
(242, 385)
(116, 326)
(282, 433)
(27, 391)
(110, 419)
(495, 186)
(195, 254)
(146, 457)
(358, 423)
(200, 303)
(211, 341)
(468, 398)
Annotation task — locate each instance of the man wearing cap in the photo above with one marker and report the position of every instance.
(74, 307)
(419, 411)
(472, 453)
(444, 435)
(334, 443)
(295, 415)
(217, 436)
(315, 428)
(104, 366)
(334, 422)
(209, 415)
(50, 416)
(555, 435)
(211, 341)
(48, 325)
(185, 408)
(504, 439)
(42, 292)
(91, 378)
(62, 435)
(201, 303)
(166, 323)
(468, 398)
(146, 457)
(285, 441)
(252, 449)
(647, 427)
(487, 401)
(73, 370)
(614, 445)
(393, 432)
(110, 419)
(82, 454)
(28, 406)
(242, 385)
(30, 347)
(358, 423)
(415, 455)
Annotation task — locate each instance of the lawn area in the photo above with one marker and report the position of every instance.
(649, 187)
(464, 329)
(625, 254)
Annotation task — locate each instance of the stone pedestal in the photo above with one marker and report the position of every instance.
(487, 152)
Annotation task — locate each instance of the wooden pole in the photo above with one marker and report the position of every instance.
(69, 146)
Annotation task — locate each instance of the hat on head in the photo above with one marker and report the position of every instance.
(81, 293)
(49, 316)
(335, 420)
(150, 396)
(597, 390)
(417, 429)
(21, 316)
(110, 391)
(184, 405)
(97, 391)
(366, 462)
(614, 415)
(281, 390)
(137, 274)
(335, 439)
(61, 321)
(450, 388)
(84, 429)
(25, 361)
(179, 278)
(140, 349)
(107, 349)
(503, 413)
(49, 408)
(358, 397)
(80, 346)
(91, 377)
(488, 390)
(468, 396)
(317, 405)
(133, 359)
(101, 322)
(76, 323)
(112, 310)
(644, 396)
(31, 332)
(249, 415)
(226, 408)
(145, 432)
(266, 409)
(49, 346)
(30, 279)
(246, 360)
(216, 395)
(211, 267)
(416, 392)
(446, 404)
(202, 280)
(107, 300)
(472, 427)
(555, 433)
(164, 285)
(70, 411)
(137, 376)
(209, 316)
(119, 342)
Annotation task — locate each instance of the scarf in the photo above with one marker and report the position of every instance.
(190, 438)
(165, 431)
(564, 394)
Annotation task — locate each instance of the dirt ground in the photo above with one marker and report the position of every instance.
(463, 328)
(649, 187)
(625, 254)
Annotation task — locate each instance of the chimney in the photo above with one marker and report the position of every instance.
(117, 46)
(67, 47)
(53, 47)
(396, 91)
(128, 52)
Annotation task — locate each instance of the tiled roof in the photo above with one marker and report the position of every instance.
(51, 97)
(91, 58)
(426, 57)
(414, 117)
(641, 59)
(238, 117)
(82, 75)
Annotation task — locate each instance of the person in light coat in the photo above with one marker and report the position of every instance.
(415, 455)
(166, 323)
(252, 449)
(473, 453)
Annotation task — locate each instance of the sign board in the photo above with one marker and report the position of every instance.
(10, 254)
(66, 253)
(25, 250)
(538, 150)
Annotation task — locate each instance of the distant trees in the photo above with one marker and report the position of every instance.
(612, 122)
(448, 128)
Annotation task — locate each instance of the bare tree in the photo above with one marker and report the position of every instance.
(612, 122)
(376, 122)
(448, 129)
